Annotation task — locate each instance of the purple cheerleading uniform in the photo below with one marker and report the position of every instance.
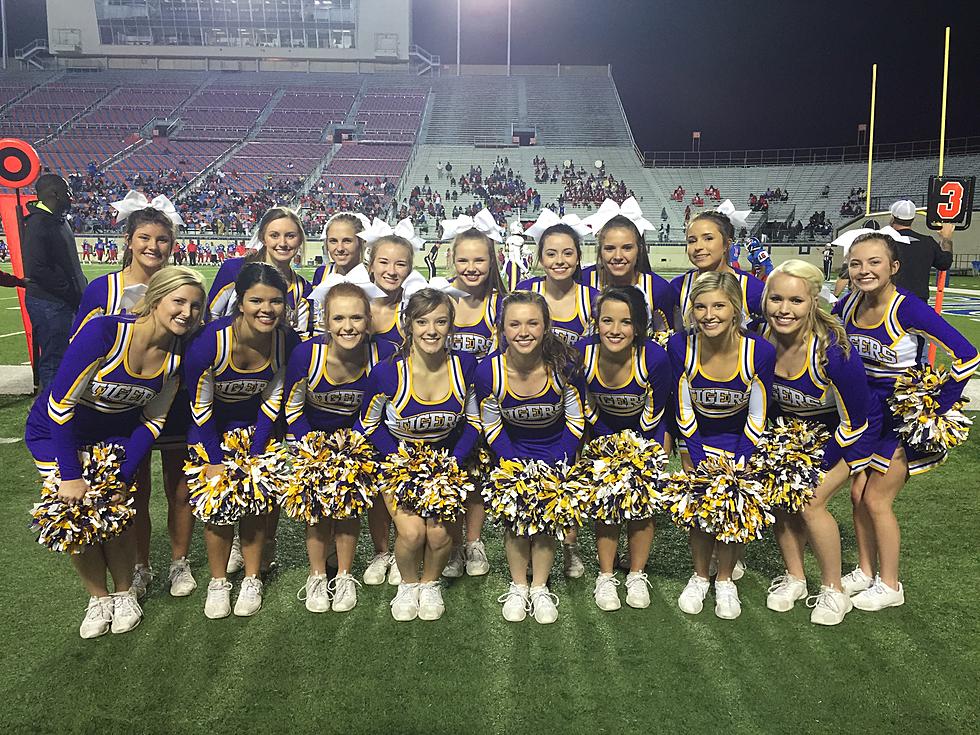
(512, 274)
(579, 325)
(721, 416)
(299, 312)
(657, 291)
(391, 412)
(107, 294)
(96, 398)
(835, 395)
(479, 339)
(321, 271)
(639, 403)
(393, 334)
(752, 289)
(224, 397)
(547, 426)
(893, 346)
(314, 402)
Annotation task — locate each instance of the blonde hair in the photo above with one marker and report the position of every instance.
(346, 290)
(347, 218)
(273, 214)
(164, 282)
(825, 326)
(395, 239)
(715, 281)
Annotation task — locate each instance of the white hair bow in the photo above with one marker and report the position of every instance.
(737, 216)
(379, 228)
(136, 200)
(358, 275)
(254, 243)
(630, 209)
(416, 282)
(547, 219)
(365, 223)
(483, 221)
(847, 239)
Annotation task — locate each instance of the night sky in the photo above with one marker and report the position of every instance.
(747, 73)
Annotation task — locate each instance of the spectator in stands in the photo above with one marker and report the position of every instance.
(192, 252)
(54, 274)
(828, 261)
(826, 191)
(922, 253)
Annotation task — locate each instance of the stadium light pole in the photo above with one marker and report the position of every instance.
(458, 16)
(3, 19)
(508, 37)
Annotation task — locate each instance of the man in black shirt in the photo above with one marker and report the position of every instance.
(54, 275)
(922, 253)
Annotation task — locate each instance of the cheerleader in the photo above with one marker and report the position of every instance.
(389, 265)
(709, 238)
(530, 408)
(278, 238)
(570, 304)
(889, 328)
(818, 378)
(474, 333)
(622, 259)
(424, 395)
(151, 231)
(342, 245)
(115, 384)
(324, 386)
(569, 301)
(628, 384)
(717, 415)
(235, 369)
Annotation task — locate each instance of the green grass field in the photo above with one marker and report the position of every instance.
(912, 669)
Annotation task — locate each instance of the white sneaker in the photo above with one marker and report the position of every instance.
(516, 603)
(269, 549)
(738, 571)
(605, 592)
(544, 605)
(405, 606)
(182, 582)
(691, 600)
(879, 596)
(855, 581)
(431, 605)
(727, 604)
(829, 606)
(344, 588)
(249, 599)
(315, 593)
(784, 592)
(142, 575)
(377, 568)
(126, 611)
(394, 573)
(98, 617)
(218, 604)
(236, 562)
(574, 567)
(457, 563)
(638, 590)
(477, 563)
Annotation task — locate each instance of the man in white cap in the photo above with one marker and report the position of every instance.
(922, 253)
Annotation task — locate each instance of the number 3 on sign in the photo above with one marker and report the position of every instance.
(950, 201)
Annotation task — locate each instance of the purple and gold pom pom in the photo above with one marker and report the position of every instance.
(528, 497)
(620, 478)
(787, 462)
(332, 477)
(104, 512)
(425, 481)
(915, 403)
(248, 485)
(720, 498)
(662, 337)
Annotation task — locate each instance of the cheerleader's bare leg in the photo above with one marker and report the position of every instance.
(542, 558)
(864, 530)
(821, 526)
(141, 521)
(217, 540)
(518, 551)
(702, 545)
(318, 540)
(409, 545)
(345, 537)
(379, 525)
(639, 535)
(91, 567)
(180, 517)
(879, 498)
(252, 531)
(728, 554)
(476, 515)
(438, 545)
(790, 533)
(120, 557)
(606, 544)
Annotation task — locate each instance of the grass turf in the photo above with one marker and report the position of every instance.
(912, 668)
